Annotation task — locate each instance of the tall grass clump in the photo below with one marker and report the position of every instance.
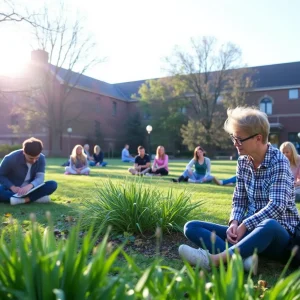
(131, 206)
(36, 266)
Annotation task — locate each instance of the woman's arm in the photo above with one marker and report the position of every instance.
(190, 165)
(208, 166)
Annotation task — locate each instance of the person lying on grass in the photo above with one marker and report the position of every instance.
(264, 213)
(160, 164)
(23, 170)
(78, 162)
(141, 163)
(201, 164)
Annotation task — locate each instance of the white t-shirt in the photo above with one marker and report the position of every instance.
(27, 178)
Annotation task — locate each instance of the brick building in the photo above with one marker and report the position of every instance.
(104, 108)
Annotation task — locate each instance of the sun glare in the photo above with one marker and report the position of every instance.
(14, 54)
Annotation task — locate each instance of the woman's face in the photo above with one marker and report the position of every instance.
(78, 151)
(199, 152)
(161, 151)
(287, 152)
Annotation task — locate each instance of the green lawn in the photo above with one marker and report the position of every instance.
(75, 189)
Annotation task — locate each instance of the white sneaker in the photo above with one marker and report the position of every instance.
(249, 262)
(195, 256)
(45, 199)
(191, 181)
(148, 174)
(16, 201)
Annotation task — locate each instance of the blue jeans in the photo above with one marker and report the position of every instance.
(128, 160)
(268, 238)
(229, 180)
(93, 164)
(47, 189)
(197, 177)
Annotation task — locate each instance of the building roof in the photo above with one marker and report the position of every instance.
(90, 84)
(265, 77)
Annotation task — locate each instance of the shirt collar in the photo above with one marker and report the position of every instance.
(265, 163)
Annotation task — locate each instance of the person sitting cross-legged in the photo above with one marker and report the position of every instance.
(78, 162)
(126, 157)
(160, 163)
(141, 163)
(23, 170)
(264, 214)
(202, 164)
(98, 157)
(89, 157)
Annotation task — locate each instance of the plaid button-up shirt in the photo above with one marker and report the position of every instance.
(265, 193)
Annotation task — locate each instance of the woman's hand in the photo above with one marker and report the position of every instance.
(154, 169)
(231, 232)
(241, 232)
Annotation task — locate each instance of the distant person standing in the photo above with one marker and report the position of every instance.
(23, 170)
(126, 157)
(141, 164)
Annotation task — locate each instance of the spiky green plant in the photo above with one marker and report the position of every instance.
(131, 206)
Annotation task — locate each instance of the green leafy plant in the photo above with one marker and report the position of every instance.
(36, 266)
(131, 206)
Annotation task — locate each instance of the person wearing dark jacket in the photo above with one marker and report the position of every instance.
(98, 157)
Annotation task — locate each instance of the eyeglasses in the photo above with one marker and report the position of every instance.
(240, 141)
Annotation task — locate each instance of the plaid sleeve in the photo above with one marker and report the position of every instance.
(240, 198)
(280, 190)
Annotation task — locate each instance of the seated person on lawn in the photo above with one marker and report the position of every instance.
(98, 157)
(22, 170)
(264, 214)
(78, 162)
(126, 157)
(89, 157)
(141, 163)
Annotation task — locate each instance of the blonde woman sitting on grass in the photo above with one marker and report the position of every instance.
(98, 157)
(78, 162)
(160, 164)
(289, 150)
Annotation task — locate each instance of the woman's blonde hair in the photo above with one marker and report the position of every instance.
(97, 149)
(248, 119)
(74, 156)
(157, 152)
(292, 148)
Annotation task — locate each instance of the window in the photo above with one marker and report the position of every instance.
(114, 113)
(266, 106)
(182, 110)
(293, 94)
(98, 108)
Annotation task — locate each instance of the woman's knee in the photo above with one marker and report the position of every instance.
(269, 223)
(191, 226)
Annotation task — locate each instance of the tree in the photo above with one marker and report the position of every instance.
(9, 14)
(163, 105)
(135, 132)
(50, 103)
(212, 79)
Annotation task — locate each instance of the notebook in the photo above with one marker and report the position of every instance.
(29, 192)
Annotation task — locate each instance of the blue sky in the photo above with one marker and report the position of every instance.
(135, 36)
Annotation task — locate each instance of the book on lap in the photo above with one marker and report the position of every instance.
(29, 192)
